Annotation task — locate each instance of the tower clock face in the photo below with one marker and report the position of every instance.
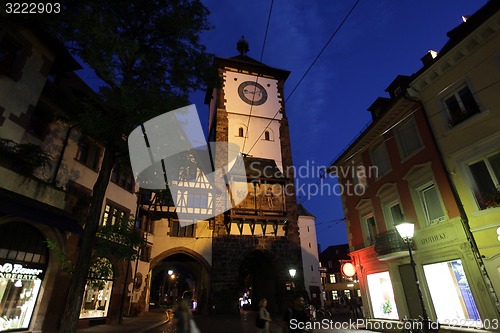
(252, 93)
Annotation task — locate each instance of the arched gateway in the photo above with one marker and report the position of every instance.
(179, 272)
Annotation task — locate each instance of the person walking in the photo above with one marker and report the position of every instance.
(263, 317)
(182, 317)
(295, 317)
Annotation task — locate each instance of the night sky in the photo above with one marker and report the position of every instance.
(379, 40)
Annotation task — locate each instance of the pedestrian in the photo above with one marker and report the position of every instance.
(182, 317)
(295, 317)
(263, 317)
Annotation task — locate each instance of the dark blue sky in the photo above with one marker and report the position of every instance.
(380, 40)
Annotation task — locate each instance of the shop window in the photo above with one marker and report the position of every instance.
(460, 106)
(96, 297)
(431, 204)
(408, 137)
(88, 153)
(179, 230)
(382, 295)
(123, 177)
(22, 249)
(335, 295)
(113, 213)
(486, 176)
(451, 294)
(380, 159)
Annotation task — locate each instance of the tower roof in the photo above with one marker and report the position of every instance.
(242, 46)
(302, 211)
(244, 62)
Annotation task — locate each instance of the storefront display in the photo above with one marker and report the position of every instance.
(96, 299)
(450, 293)
(382, 296)
(19, 287)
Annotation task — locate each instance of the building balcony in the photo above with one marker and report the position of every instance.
(390, 245)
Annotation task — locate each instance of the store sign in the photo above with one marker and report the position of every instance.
(18, 272)
(434, 238)
(348, 269)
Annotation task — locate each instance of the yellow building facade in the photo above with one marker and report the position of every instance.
(459, 89)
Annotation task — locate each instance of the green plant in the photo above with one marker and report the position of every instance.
(386, 306)
(24, 158)
(66, 264)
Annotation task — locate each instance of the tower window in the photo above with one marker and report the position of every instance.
(267, 136)
(240, 132)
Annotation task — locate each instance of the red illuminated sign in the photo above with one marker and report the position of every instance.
(348, 269)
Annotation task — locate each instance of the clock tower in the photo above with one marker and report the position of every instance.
(256, 241)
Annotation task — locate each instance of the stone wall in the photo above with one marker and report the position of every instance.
(229, 253)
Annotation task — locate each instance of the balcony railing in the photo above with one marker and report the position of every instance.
(389, 242)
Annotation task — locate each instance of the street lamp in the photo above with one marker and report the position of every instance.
(406, 230)
(292, 272)
(172, 276)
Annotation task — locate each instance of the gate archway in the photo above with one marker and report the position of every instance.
(257, 277)
(177, 273)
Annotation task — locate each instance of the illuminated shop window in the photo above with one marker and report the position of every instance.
(23, 262)
(97, 296)
(96, 299)
(451, 294)
(382, 296)
(17, 296)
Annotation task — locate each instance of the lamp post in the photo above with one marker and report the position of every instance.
(406, 230)
(292, 272)
(170, 276)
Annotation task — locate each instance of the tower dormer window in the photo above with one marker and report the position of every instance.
(267, 136)
(241, 132)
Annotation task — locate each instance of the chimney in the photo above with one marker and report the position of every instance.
(428, 58)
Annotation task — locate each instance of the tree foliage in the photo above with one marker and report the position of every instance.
(26, 158)
(148, 57)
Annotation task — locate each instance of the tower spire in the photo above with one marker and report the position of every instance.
(242, 46)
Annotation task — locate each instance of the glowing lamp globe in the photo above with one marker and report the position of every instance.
(406, 230)
(348, 269)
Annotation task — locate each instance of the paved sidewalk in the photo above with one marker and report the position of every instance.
(130, 324)
(242, 323)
